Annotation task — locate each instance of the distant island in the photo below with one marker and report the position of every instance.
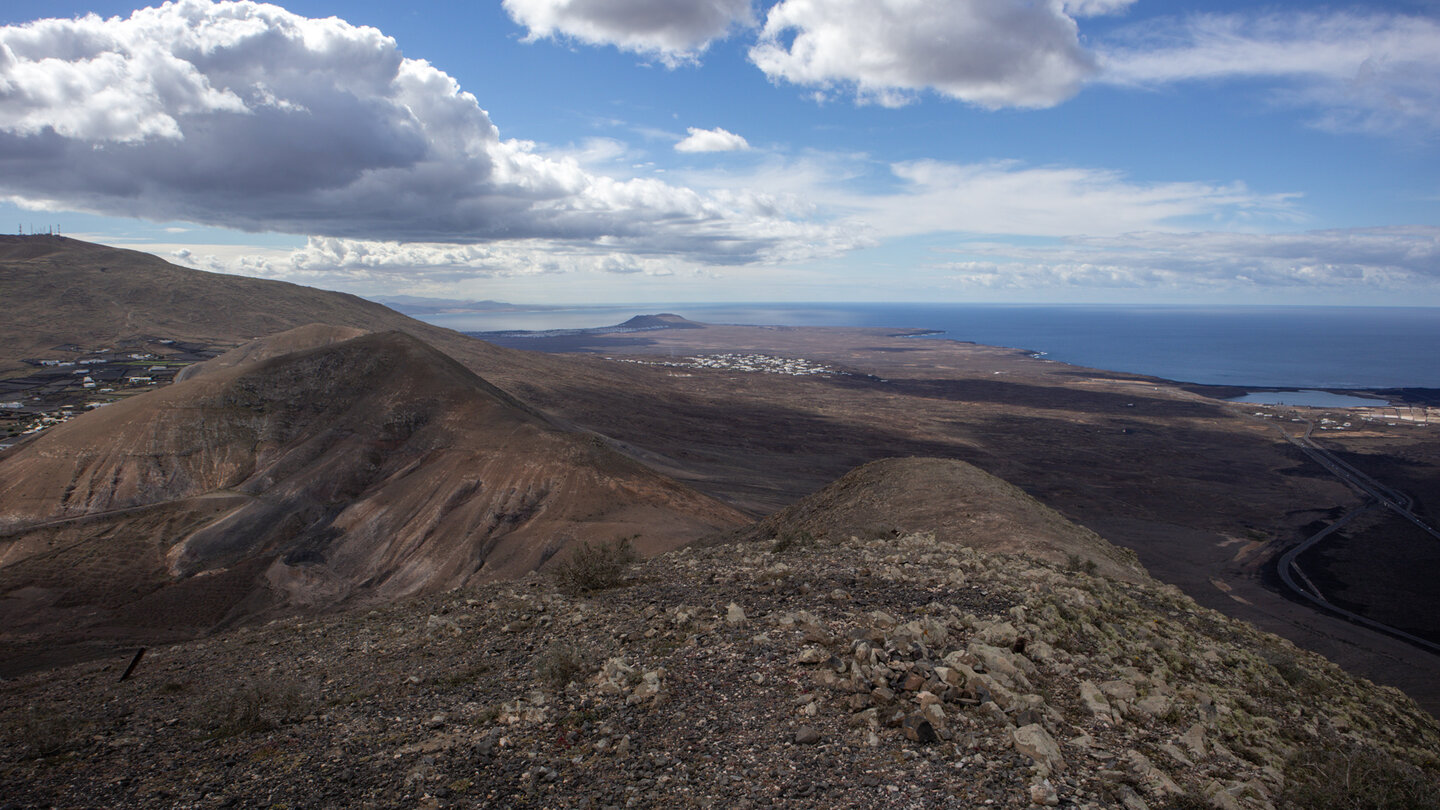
(588, 339)
(420, 305)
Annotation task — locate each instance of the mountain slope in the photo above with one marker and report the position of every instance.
(730, 676)
(958, 503)
(363, 469)
(309, 336)
(61, 291)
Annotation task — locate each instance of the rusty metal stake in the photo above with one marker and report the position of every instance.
(134, 662)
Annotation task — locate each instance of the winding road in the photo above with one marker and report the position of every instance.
(1376, 494)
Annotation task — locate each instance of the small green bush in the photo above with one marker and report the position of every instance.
(593, 568)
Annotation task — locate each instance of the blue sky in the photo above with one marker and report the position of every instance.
(577, 151)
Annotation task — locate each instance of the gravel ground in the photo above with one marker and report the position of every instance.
(888, 672)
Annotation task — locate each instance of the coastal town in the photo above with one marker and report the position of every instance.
(762, 363)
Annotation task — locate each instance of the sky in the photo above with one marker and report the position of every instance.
(653, 151)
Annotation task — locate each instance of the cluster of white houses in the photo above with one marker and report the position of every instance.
(763, 363)
(1389, 415)
(59, 388)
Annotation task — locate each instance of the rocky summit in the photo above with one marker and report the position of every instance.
(890, 671)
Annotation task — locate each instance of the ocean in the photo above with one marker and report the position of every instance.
(1248, 347)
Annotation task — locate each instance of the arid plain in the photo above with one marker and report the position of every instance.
(1205, 492)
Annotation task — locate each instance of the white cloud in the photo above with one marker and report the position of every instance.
(1015, 228)
(1373, 72)
(711, 140)
(1094, 8)
(372, 267)
(1362, 71)
(247, 116)
(1343, 259)
(674, 31)
(1349, 262)
(596, 154)
(111, 92)
(1004, 197)
(991, 53)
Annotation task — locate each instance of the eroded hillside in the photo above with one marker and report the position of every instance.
(361, 469)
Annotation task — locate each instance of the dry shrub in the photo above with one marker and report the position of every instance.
(560, 663)
(47, 733)
(1344, 775)
(594, 567)
(253, 706)
(793, 540)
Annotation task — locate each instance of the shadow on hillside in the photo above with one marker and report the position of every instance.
(1026, 395)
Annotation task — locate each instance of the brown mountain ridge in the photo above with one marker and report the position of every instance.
(363, 469)
(61, 291)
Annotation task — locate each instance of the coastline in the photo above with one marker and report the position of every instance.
(610, 339)
(1251, 347)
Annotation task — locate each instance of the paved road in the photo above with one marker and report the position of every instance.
(1375, 493)
(1394, 500)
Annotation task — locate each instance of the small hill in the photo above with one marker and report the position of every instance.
(664, 320)
(62, 292)
(357, 470)
(958, 503)
(419, 305)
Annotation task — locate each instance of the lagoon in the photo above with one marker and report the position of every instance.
(1311, 399)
